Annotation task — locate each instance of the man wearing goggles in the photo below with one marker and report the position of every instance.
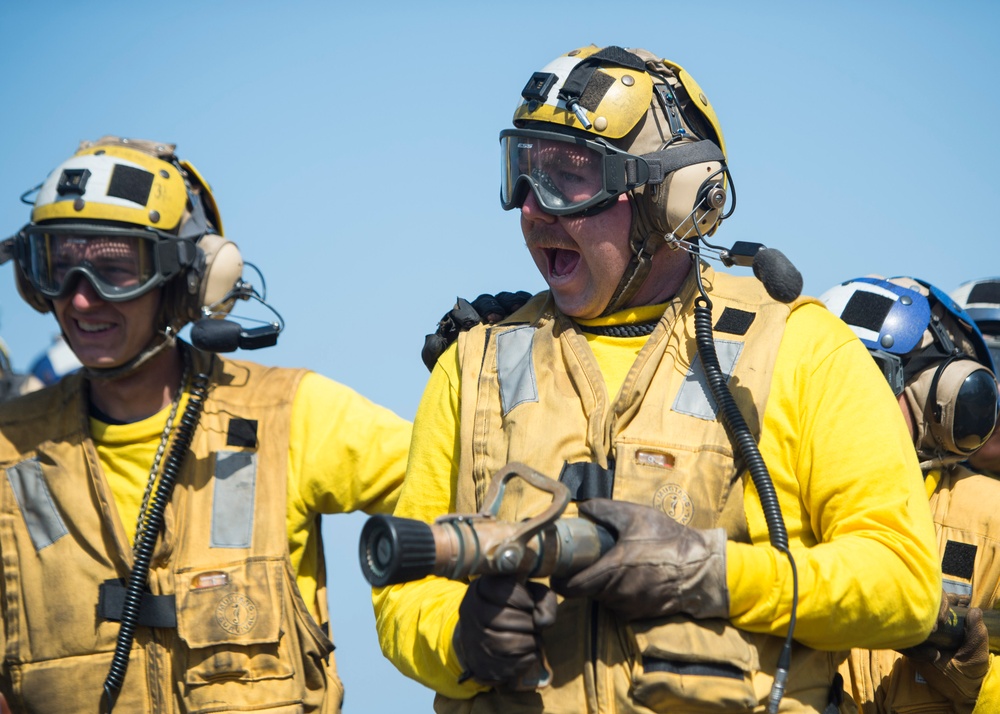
(568, 175)
(940, 369)
(119, 268)
(162, 549)
(573, 175)
(617, 165)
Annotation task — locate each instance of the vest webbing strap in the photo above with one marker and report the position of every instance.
(585, 479)
(155, 610)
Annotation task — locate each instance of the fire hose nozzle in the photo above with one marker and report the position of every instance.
(397, 550)
(951, 635)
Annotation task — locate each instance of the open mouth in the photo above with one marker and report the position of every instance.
(562, 262)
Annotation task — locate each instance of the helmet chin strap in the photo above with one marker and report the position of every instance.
(941, 460)
(643, 241)
(160, 341)
(163, 338)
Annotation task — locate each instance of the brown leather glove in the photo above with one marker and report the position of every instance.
(657, 566)
(957, 675)
(500, 620)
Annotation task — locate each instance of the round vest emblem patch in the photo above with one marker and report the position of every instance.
(674, 501)
(236, 614)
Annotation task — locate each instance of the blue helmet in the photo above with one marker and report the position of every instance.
(929, 349)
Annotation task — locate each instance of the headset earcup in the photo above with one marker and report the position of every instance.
(679, 194)
(223, 267)
(963, 402)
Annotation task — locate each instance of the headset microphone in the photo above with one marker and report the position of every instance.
(781, 279)
(214, 335)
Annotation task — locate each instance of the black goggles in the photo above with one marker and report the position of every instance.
(571, 174)
(568, 174)
(120, 263)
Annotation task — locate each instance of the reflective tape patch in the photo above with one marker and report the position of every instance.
(956, 588)
(45, 525)
(515, 369)
(695, 396)
(233, 499)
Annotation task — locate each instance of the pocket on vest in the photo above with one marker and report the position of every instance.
(238, 651)
(681, 662)
(76, 684)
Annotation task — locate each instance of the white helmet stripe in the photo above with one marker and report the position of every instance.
(836, 299)
(96, 189)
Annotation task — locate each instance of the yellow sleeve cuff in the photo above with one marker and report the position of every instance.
(988, 701)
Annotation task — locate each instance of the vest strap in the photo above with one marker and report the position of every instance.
(836, 696)
(154, 611)
(585, 479)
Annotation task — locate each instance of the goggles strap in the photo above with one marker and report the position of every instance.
(678, 156)
(173, 255)
(9, 249)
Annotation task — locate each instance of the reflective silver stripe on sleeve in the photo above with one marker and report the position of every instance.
(695, 396)
(45, 525)
(233, 499)
(515, 368)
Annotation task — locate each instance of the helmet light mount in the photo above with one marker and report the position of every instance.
(538, 87)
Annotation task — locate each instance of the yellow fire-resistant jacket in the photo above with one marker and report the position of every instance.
(243, 636)
(964, 506)
(845, 473)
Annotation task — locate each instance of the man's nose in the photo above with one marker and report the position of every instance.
(531, 210)
(83, 295)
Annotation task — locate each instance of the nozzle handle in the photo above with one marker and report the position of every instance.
(951, 635)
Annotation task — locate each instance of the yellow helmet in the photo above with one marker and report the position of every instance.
(127, 182)
(613, 92)
(128, 216)
(642, 126)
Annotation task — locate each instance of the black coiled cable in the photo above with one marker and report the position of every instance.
(745, 444)
(147, 539)
(736, 426)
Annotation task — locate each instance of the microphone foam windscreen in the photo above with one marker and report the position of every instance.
(781, 279)
(216, 335)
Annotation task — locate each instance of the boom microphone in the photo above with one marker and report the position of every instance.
(781, 279)
(214, 335)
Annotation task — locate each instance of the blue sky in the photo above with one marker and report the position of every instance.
(353, 153)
